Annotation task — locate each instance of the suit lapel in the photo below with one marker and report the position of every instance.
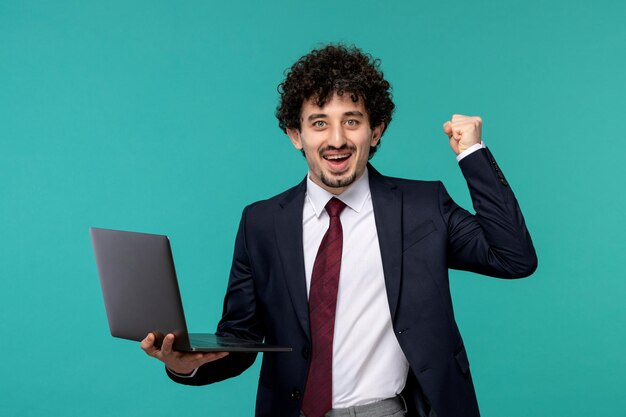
(387, 202)
(288, 227)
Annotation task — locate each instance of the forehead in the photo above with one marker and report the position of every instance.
(335, 105)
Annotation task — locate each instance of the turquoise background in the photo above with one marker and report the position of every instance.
(157, 116)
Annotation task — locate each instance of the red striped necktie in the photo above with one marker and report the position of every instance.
(322, 304)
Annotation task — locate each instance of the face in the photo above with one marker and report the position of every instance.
(336, 141)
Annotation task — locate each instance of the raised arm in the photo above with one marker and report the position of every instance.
(494, 241)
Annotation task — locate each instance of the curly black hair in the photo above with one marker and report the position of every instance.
(332, 69)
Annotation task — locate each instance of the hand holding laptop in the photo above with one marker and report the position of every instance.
(177, 361)
(142, 297)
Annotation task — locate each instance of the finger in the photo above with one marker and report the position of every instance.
(460, 117)
(466, 128)
(210, 357)
(454, 144)
(467, 120)
(219, 355)
(167, 345)
(471, 122)
(147, 341)
(447, 128)
(147, 345)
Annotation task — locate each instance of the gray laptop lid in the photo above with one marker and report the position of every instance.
(141, 293)
(136, 271)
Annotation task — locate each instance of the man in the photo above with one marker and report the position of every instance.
(350, 268)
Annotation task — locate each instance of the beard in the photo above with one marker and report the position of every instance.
(337, 182)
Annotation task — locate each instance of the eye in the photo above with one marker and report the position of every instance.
(319, 124)
(352, 122)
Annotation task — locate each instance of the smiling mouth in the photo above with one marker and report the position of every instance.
(337, 158)
(338, 163)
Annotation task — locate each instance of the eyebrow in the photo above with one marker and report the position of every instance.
(323, 115)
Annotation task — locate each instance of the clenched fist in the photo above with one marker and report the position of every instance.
(463, 131)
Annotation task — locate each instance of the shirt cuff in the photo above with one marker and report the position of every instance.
(470, 150)
(191, 375)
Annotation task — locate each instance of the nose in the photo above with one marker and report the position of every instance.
(337, 138)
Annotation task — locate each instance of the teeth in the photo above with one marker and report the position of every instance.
(336, 156)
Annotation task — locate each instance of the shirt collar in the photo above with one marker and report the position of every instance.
(354, 197)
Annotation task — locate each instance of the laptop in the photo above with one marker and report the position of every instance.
(141, 293)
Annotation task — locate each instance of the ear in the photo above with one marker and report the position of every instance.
(294, 136)
(377, 132)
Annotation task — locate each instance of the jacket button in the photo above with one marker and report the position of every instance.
(306, 353)
(295, 394)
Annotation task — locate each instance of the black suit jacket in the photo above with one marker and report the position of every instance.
(421, 233)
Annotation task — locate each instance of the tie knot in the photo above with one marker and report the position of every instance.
(334, 207)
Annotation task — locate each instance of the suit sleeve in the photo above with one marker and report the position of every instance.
(494, 241)
(239, 318)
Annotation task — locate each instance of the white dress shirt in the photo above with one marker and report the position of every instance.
(368, 364)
